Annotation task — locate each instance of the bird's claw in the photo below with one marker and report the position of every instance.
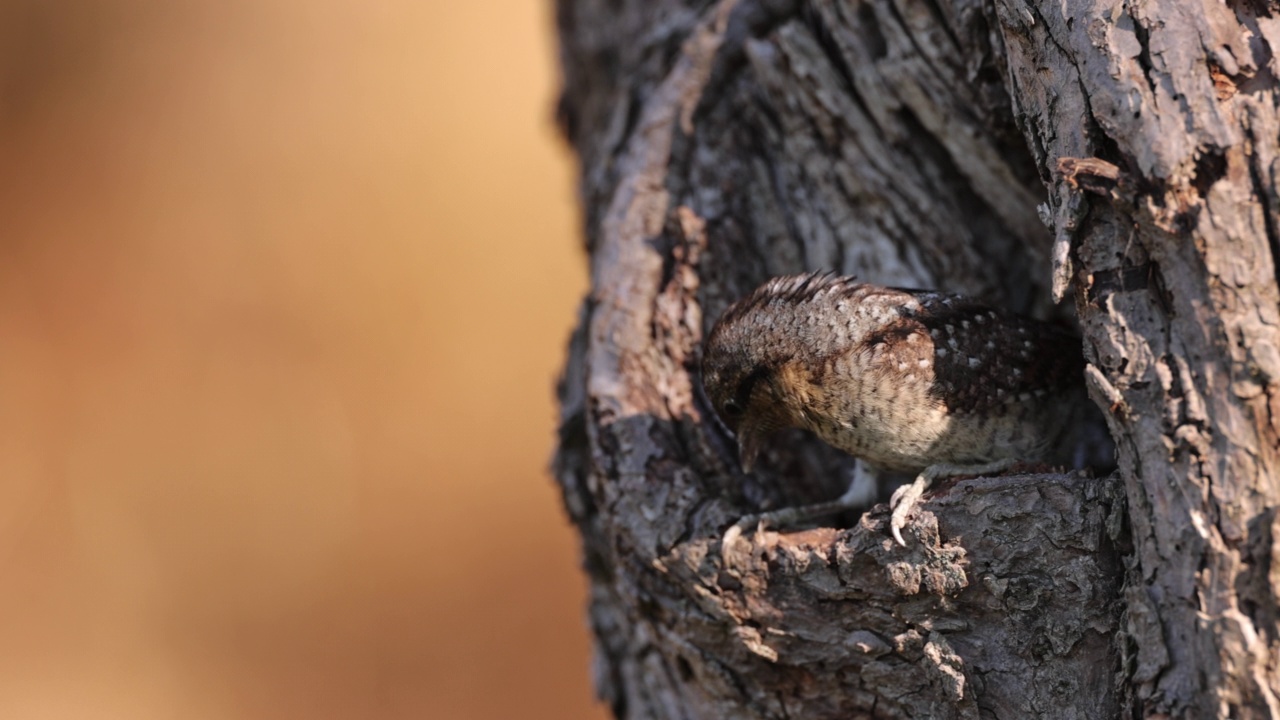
(906, 497)
(745, 524)
(902, 502)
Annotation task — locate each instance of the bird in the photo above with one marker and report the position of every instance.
(916, 381)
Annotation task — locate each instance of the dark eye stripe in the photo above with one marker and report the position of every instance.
(743, 396)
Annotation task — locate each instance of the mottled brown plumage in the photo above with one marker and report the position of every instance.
(903, 379)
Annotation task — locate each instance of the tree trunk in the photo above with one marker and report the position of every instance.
(1124, 155)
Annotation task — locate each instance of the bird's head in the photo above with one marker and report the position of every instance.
(762, 358)
(751, 388)
(745, 399)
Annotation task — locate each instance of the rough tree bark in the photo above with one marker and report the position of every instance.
(1123, 154)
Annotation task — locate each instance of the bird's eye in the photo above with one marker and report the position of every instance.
(733, 409)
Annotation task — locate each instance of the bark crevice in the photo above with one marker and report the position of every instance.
(911, 142)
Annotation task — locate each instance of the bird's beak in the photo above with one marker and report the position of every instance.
(749, 437)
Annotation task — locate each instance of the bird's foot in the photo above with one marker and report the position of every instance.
(860, 495)
(905, 498)
(786, 517)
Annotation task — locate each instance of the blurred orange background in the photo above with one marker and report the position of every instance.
(284, 286)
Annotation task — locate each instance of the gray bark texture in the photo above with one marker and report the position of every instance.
(1122, 155)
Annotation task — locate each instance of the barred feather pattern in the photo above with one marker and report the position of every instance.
(902, 378)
